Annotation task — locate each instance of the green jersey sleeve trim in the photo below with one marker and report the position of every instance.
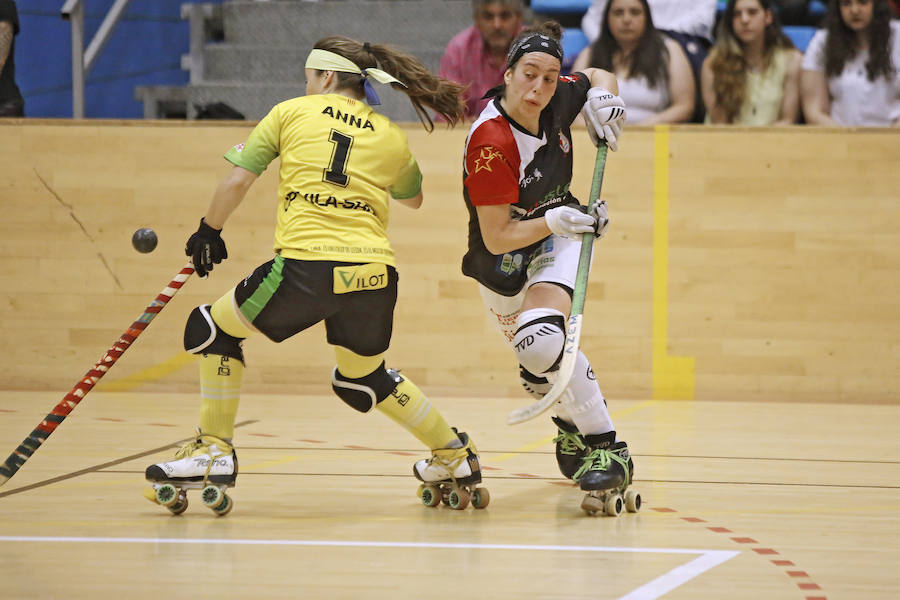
(261, 146)
(410, 182)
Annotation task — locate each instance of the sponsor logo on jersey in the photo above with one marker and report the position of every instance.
(556, 194)
(568, 78)
(347, 118)
(483, 162)
(326, 200)
(535, 176)
(564, 143)
(239, 147)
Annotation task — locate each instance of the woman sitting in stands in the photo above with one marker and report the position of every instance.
(654, 75)
(850, 75)
(752, 74)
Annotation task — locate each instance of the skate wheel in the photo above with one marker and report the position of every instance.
(431, 495)
(632, 500)
(225, 506)
(458, 499)
(591, 505)
(480, 498)
(419, 491)
(180, 505)
(166, 495)
(613, 505)
(212, 496)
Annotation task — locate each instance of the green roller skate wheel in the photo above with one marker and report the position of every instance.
(212, 496)
(431, 496)
(166, 495)
(225, 507)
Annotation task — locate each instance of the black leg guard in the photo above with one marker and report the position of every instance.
(364, 393)
(203, 336)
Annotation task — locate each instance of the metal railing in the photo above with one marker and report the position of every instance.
(83, 59)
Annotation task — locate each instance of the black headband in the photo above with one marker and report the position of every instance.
(535, 42)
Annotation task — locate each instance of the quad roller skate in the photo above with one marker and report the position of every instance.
(207, 463)
(451, 476)
(606, 475)
(571, 448)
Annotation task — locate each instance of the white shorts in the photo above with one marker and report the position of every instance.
(554, 261)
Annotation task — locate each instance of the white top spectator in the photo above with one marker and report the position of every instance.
(695, 17)
(856, 101)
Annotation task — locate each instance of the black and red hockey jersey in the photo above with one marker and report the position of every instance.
(505, 164)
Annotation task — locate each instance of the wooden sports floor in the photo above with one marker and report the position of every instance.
(741, 501)
(742, 320)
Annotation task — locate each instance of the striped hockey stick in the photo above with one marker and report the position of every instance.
(86, 383)
(573, 331)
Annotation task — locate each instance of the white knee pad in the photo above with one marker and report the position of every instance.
(540, 338)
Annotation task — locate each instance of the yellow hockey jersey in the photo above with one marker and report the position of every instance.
(339, 158)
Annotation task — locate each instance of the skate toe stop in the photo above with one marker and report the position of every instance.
(154, 473)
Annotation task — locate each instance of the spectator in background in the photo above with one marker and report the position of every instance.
(752, 73)
(655, 77)
(477, 56)
(850, 75)
(11, 102)
(690, 23)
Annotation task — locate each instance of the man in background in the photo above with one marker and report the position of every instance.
(11, 102)
(476, 56)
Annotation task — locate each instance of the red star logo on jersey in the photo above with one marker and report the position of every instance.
(483, 162)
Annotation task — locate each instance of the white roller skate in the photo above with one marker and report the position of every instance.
(606, 474)
(207, 463)
(451, 475)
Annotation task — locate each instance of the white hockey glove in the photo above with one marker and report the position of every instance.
(604, 114)
(570, 222)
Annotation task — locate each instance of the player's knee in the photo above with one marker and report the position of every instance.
(539, 340)
(203, 336)
(364, 393)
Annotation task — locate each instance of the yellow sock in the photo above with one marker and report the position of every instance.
(406, 405)
(220, 390)
(409, 407)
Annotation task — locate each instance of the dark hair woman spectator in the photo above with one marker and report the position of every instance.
(850, 73)
(654, 75)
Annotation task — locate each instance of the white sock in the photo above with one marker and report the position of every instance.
(583, 404)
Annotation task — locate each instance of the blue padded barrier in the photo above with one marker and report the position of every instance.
(800, 35)
(551, 7)
(573, 42)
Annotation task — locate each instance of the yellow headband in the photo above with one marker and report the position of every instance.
(324, 60)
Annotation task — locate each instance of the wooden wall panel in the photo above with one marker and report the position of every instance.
(783, 262)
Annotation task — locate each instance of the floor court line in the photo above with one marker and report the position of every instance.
(707, 559)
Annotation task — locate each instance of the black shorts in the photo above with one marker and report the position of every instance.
(285, 296)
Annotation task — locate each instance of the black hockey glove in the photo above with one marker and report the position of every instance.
(206, 248)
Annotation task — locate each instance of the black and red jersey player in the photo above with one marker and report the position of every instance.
(525, 229)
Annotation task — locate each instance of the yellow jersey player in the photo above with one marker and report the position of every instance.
(340, 164)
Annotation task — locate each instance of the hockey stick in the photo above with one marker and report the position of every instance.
(86, 383)
(573, 331)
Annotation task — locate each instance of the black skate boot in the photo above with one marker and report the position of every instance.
(571, 448)
(606, 474)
